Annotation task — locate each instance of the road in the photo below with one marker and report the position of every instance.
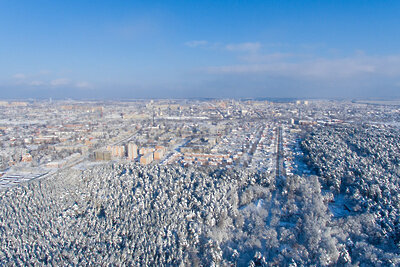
(124, 139)
(280, 170)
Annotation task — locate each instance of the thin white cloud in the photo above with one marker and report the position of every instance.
(36, 83)
(197, 43)
(244, 47)
(59, 82)
(319, 68)
(234, 47)
(19, 76)
(84, 85)
(44, 72)
(37, 80)
(268, 57)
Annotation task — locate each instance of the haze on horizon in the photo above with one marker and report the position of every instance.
(185, 49)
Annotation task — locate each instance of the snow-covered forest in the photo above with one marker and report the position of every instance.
(122, 213)
(360, 167)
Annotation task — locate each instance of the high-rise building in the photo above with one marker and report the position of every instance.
(146, 159)
(158, 154)
(132, 151)
(145, 150)
(102, 155)
(117, 151)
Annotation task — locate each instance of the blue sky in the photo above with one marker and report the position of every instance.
(132, 49)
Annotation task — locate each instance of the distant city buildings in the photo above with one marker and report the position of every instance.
(42, 135)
